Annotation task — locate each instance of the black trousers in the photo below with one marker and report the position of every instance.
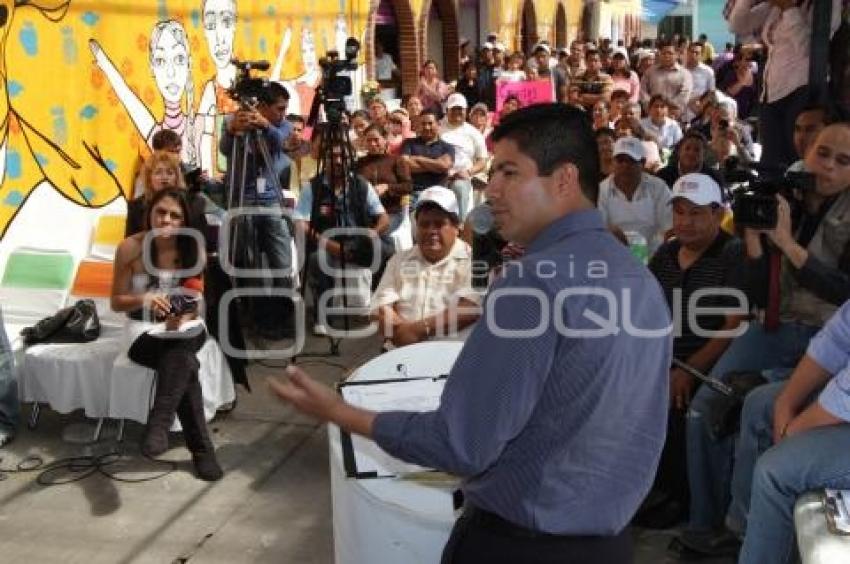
(480, 537)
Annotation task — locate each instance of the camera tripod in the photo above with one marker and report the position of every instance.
(246, 148)
(335, 171)
(250, 161)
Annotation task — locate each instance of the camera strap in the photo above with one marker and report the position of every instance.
(771, 315)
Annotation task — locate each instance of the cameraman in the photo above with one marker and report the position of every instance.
(330, 201)
(798, 290)
(272, 232)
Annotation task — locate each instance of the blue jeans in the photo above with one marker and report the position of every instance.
(274, 240)
(710, 461)
(10, 408)
(776, 127)
(804, 462)
(755, 438)
(463, 192)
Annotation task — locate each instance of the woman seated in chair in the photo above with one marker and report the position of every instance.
(164, 333)
(161, 170)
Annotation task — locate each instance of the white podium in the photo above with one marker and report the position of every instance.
(387, 520)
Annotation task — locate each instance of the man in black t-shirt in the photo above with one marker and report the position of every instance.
(704, 259)
(429, 157)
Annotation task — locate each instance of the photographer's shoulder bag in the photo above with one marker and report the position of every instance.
(78, 323)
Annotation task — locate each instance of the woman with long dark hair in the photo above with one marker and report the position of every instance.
(157, 277)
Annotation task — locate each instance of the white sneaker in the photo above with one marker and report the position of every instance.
(320, 330)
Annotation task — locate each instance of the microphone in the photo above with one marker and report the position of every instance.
(481, 219)
(717, 385)
(487, 244)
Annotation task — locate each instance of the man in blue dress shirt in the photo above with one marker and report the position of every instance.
(805, 443)
(555, 410)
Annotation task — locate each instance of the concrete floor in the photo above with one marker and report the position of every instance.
(273, 504)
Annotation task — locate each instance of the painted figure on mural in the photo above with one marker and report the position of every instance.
(311, 78)
(37, 143)
(219, 22)
(171, 64)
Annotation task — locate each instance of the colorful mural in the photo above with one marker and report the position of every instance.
(85, 85)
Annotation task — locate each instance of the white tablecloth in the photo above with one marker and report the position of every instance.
(385, 520)
(98, 378)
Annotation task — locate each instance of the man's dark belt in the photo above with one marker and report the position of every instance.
(501, 526)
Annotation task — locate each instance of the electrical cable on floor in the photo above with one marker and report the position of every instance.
(76, 468)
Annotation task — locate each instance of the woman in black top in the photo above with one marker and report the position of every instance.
(162, 170)
(467, 84)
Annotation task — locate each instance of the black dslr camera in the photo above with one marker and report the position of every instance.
(248, 90)
(754, 204)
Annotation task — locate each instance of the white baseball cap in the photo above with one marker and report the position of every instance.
(621, 51)
(544, 47)
(631, 147)
(697, 188)
(456, 100)
(441, 196)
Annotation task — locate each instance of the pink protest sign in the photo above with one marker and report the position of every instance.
(528, 91)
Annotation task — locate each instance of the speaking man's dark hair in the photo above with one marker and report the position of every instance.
(552, 135)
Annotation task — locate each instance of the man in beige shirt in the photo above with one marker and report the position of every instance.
(427, 291)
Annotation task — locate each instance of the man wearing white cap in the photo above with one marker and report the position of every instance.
(633, 200)
(411, 307)
(470, 151)
(700, 257)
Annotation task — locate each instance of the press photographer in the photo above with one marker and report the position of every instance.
(253, 141)
(797, 272)
(332, 200)
(337, 197)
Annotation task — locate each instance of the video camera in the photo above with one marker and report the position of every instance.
(334, 88)
(247, 90)
(754, 204)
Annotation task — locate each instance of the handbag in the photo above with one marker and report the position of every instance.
(78, 323)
